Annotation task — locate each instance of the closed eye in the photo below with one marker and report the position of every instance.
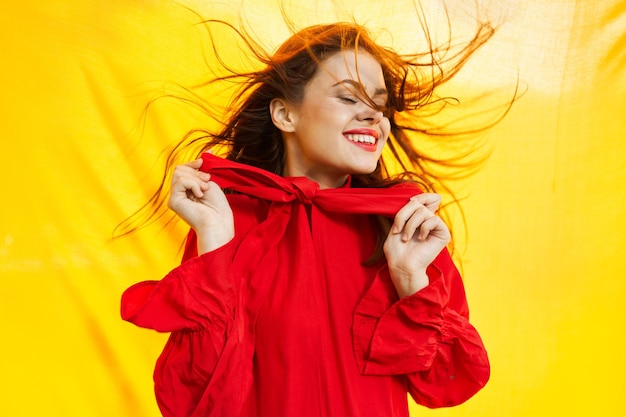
(350, 100)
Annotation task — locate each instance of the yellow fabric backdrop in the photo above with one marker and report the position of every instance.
(544, 263)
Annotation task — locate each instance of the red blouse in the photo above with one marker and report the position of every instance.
(285, 320)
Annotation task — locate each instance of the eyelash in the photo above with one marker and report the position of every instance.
(348, 100)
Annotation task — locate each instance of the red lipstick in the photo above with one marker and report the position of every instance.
(362, 131)
(355, 136)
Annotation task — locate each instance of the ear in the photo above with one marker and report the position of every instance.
(282, 115)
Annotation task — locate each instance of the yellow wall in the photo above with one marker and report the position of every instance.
(544, 264)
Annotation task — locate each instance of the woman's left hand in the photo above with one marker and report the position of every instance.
(416, 237)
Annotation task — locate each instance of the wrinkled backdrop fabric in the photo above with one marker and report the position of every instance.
(546, 215)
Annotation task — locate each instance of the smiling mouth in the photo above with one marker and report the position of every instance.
(361, 138)
(364, 137)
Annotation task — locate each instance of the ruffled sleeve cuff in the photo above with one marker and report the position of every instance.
(394, 336)
(198, 293)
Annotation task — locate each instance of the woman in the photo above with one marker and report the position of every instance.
(316, 285)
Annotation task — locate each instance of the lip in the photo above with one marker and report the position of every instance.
(363, 131)
(369, 147)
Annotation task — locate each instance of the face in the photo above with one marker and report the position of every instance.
(334, 132)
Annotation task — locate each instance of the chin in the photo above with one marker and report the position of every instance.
(365, 169)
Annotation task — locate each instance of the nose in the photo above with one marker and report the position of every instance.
(370, 114)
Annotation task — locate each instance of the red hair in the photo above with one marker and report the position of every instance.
(249, 136)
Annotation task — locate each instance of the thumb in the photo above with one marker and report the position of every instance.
(195, 164)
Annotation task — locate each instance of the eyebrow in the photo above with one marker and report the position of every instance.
(358, 86)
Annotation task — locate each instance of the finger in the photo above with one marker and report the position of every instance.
(435, 227)
(404, 214)
(187, 170)
(195, 164)
(185, 184)
(415, 222)
(195, 188)
(430, 200)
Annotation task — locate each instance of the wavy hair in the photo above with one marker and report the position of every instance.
(248, 135)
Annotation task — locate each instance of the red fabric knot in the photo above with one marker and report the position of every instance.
(262, 184)
(305, 189)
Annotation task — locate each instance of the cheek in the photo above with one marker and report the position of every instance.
(385, 127)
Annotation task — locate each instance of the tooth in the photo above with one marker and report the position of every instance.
(361, 138)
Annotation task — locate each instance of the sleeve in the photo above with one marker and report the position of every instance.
(426, 337)
(196, 302)
(198, 294)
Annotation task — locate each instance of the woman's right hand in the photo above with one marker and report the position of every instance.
(201, 203)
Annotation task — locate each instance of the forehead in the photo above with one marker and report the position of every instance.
(348, 65)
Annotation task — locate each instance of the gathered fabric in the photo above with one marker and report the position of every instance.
(287, 319)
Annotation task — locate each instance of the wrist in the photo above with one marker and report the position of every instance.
(408, 283)
(210, 240)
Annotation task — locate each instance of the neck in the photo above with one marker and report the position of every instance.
(324, 181)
